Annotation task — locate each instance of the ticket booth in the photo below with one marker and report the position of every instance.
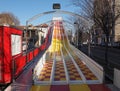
(10, 46)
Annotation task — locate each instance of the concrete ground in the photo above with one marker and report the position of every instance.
(113, 87)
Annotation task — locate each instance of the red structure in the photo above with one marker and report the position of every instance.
(12, 60)
(6, 35)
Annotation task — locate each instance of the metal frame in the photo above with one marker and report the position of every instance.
(61, 12)
(87, 20)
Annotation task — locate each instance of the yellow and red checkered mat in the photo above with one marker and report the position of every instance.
(59, 72)
(72, 71)
(46, 71)
(85, 70)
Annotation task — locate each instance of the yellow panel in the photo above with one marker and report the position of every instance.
(63, 79)
(79, 87)
(40, 88)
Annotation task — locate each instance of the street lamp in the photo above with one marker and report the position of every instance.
(91, 23)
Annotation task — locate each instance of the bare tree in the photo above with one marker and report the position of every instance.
(97, 9)
(104, 13)
(8, 18)
(80, 30)
(85, 7)
(104, 19)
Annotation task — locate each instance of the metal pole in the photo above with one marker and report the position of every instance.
(77, 35)
(13, 75)
(13, 71)
(26, 40)
(89, 41)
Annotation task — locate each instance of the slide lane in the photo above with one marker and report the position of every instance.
(46, 71)
(45, 64)
(59, 68)
(82, 66)
(72, 71)
(59, 72)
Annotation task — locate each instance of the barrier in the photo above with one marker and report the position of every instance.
(93, 66)
(36, 51)
(42, 47)
(19, 64)
(117, 78)
(30, 56)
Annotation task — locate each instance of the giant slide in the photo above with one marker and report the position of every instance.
(65, 68)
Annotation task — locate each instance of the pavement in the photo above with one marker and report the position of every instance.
(24, 81)
(113, 87)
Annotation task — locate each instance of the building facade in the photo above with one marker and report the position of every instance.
(117, 23)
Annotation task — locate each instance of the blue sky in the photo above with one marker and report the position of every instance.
(25, 9)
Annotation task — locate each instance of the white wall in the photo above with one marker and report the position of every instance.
(117, 78)
(93, 66)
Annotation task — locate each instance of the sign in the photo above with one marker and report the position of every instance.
(16, 44)
(56, 6)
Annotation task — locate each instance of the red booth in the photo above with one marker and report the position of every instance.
(10, 47)
(12, 61)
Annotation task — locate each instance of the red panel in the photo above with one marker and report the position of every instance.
(20, 62)
(40, 48)
(99, 87)
(35, 52)
(44, 46)
(30, 55)
(15, 31)
(7, 55)
(1, 54)
(59, 88)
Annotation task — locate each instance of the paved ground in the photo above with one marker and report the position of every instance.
(24, 82)
(113, 88)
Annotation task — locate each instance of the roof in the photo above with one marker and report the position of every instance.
(42, 25)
